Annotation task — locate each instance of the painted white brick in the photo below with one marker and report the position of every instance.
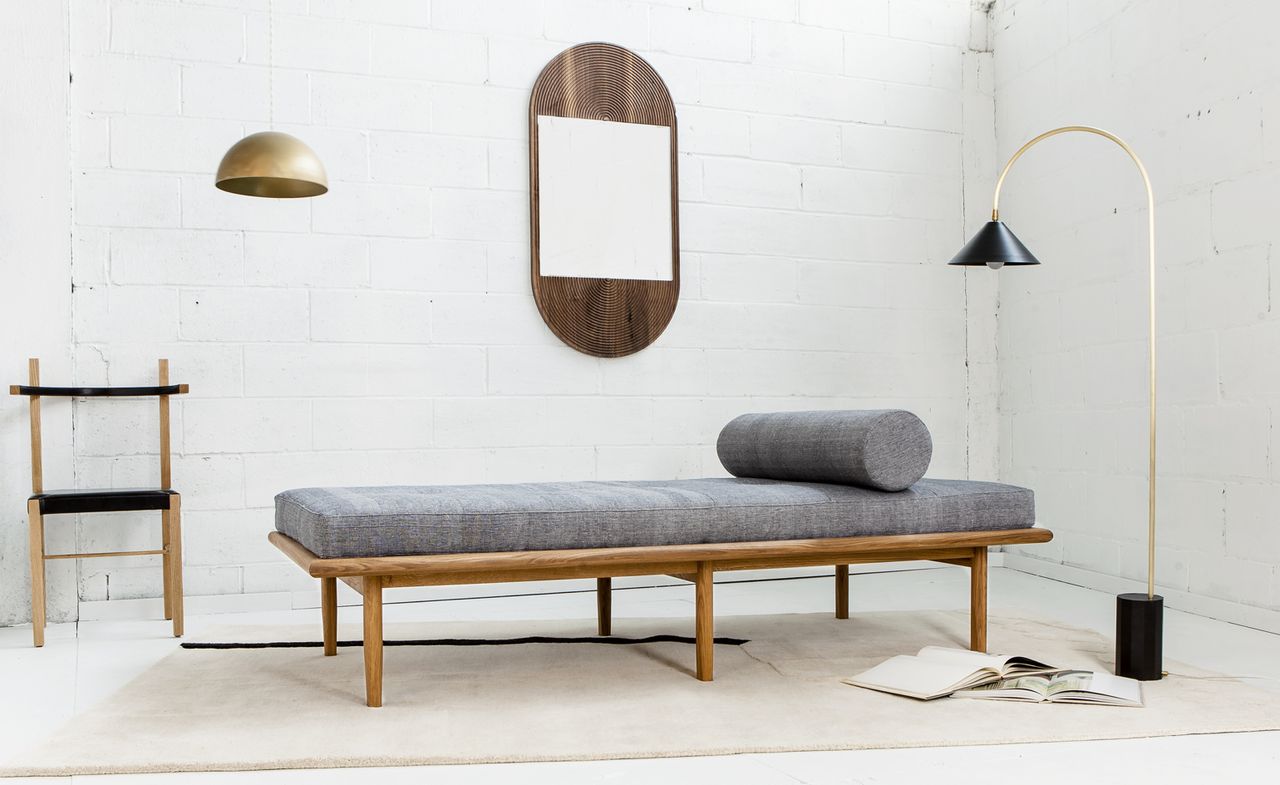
(343, 151)
(800, 141)
(657, 371)
(419, 159)
(427, 467)
(119, 427)
(492, 422)
(373, 209)
(713, 131)
(117, 83)
(392, 12)
(489, 320)
(648, 463)
(489, 111)
(125, 314)
(508, 165)
(428, 265)
(267, 474)
(748, 279)
(174, 144)
(495, 17)
(305, 260)
(593, 421)
(527, 370)
(516, 62)
(317, 44)
(244, 93)
(227, 314)
(540, 464)
(429, 54)
(152, 199)
(480, 215)
(227, 537)
(836, 190)
(370, 103)
(209, 482)
(683, 31)
(180, 32)
(871, 16)
(212, 370)
(91, 142)
(759, 183)
(372, 424)
(294, 370)
(427, 370)
(205, 207)
(370, 317)
(177, 256)
(617, 21)
(245, 425)
(780, 10)
(900, 149)
(782, 45)
(924, 20)
(90, 255)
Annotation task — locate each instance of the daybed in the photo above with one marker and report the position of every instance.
(378, 538)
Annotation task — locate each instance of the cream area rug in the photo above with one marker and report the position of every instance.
(446, 702)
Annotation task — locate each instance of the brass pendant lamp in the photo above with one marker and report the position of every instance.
(271, 163)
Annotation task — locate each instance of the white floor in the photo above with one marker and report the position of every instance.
(84, 663)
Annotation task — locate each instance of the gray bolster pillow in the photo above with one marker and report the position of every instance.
(886, 449)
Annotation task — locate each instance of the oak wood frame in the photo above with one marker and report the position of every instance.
(170, 549)
(369, 576)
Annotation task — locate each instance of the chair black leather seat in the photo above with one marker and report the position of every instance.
(103, 500)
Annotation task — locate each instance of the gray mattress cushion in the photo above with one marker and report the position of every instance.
(432, 519)
(885, 449)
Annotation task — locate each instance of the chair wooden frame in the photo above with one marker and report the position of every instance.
(695, 563)
(43, 503)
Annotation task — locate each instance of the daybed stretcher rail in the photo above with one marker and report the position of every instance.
(369, 576)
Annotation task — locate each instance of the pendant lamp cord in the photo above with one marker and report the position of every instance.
(271, 65)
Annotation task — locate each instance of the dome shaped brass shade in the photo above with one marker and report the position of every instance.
(994, 246)
(272, 164)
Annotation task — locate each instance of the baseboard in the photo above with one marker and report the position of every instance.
(116, 610)
(1222, 610)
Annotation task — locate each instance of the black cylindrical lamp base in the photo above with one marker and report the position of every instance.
(1139, 636)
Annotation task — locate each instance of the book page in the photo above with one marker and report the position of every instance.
(973, 660)
(920, 677)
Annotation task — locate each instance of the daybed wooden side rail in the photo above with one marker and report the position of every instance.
(696, 563)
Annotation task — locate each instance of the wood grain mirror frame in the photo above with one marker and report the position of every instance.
(604, 317)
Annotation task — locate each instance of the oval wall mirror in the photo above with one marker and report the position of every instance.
(604, 200)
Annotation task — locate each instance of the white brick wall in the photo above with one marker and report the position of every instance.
(385, 332)
(1196, 94)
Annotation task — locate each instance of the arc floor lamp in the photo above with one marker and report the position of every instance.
(1139, 617)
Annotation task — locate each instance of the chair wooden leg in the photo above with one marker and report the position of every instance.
(35, 520)
(329, 614)
(166, 566)
(173, 524)
(373, 641)
(604, 606)
(704, 622)
(978, 600)
(842, 591)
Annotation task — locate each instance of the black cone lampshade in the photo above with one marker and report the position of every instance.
(994, 246)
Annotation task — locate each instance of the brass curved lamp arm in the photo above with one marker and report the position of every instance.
(1151, 264)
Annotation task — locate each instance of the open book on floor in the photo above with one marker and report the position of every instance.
(1063, 687)
(937, 671)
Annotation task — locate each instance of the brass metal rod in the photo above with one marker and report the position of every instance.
(1151, 307)
(101, 555)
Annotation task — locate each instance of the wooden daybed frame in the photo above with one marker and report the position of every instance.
(694, 563)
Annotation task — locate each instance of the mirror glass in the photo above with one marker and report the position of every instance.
(604, 194)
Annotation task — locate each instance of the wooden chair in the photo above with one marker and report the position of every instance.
(60, 502)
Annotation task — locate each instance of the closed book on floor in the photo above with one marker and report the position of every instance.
(937, 671)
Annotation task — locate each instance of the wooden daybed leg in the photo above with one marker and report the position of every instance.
(704, 621)
(604, 606)
(978, 600)
(329, 614)
(172, 518)
(842, 591)
(373, 641)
